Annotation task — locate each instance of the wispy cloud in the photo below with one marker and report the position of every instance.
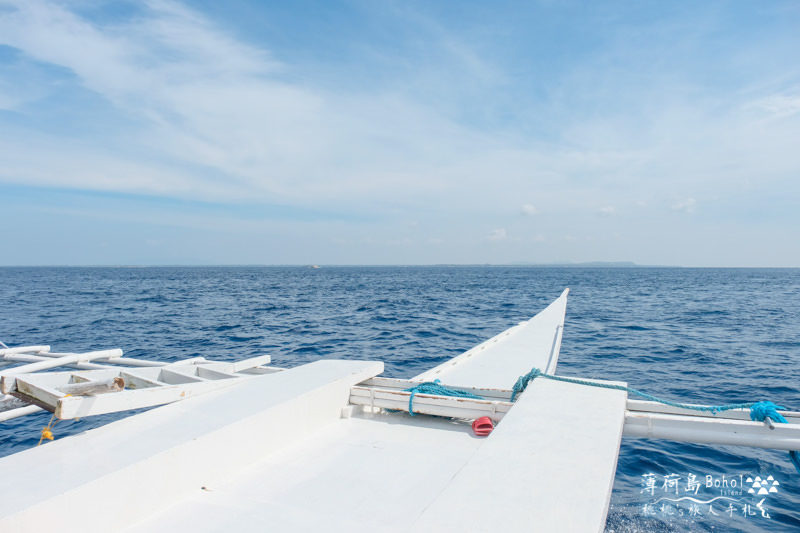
(780, 105)
(407, 112)
(688, 205)
(497, 235)
(203, 100)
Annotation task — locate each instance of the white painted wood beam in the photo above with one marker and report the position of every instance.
(709, 430)
(429, 404)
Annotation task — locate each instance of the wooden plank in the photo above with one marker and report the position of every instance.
(197, 445)
(429, 404)
(46, 390)
(260, 370)
(402, 384)
(8, 385)
(158, 392)
(79, 406)
(148, 387)
(210, 373)
(191, 361)
(54, 380)
(41, 395)
(129, 361)
(557, 448)
(498, 362)
(136, 380)
(175, 376)
(244, 364)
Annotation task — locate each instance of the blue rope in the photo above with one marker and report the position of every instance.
(795, 458)
(522, 384)
(761, 410)
(758, 410)
(434, 388)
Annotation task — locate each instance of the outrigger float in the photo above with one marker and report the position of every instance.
(331, 446)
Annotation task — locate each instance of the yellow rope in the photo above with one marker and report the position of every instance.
(47, 431)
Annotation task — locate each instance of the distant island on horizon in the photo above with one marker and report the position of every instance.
(593, 264)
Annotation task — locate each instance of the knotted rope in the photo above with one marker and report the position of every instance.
(433, 387)
(761, 410)
(47, 431)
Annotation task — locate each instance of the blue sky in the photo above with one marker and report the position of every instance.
(416, 132)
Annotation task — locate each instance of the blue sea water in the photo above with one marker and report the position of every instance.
(693, 335)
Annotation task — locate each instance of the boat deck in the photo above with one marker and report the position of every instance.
(287, 452)
(391, 472)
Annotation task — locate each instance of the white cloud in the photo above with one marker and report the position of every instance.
(687, 205)
(497, 235)
(204, 100)
(783, 104)
(187, 110)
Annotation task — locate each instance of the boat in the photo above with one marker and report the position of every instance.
(478, 443)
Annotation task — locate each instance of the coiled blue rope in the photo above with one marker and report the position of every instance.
(759, 411)
(433, 387)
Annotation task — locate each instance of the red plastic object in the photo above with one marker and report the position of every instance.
(482, 426)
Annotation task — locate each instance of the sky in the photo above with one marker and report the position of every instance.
(399, 132)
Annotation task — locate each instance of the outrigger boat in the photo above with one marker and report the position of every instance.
(332, 446)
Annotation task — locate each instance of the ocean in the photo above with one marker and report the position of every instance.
(711, 336)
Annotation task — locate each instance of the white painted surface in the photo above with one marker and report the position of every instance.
(8, 382)
(222, 462)
(24, 349)
(118, 474)
(360, 474)
(18, 412)
(146, 386)
(396, 473)
(549, 466)
(428, 404)
(733, 414)
(273, 454)
(382, 472)
(498, 362)
(710, 430)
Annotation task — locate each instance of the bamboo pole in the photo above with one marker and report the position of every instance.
(709, 430)
(24, 349)
(27, 358)
(62, 360)
(18, 412)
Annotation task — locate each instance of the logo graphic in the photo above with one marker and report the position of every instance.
(702, 497)
(762, 486)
